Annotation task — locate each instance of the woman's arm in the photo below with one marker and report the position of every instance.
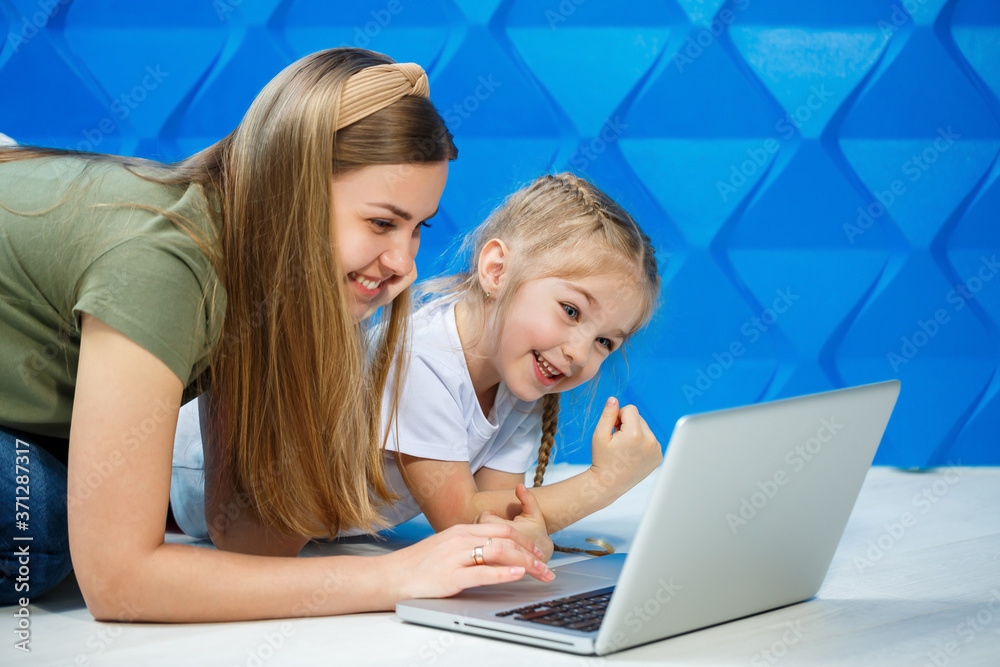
(124, 416)
(231, 525)
(624, 452)
(240, 533)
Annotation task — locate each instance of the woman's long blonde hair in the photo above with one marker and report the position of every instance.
(295, 414)
(559, 225)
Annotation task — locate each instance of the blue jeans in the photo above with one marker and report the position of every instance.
(32, 505)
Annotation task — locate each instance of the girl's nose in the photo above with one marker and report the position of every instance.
(577, 349)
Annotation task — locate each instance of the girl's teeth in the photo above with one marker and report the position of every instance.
(370, 284)
(544, 366)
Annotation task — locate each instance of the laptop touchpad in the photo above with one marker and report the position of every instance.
(605, 567)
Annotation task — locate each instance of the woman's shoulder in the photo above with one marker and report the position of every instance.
(101, 179)
(102, 203)
(24, 179)
(89, 227)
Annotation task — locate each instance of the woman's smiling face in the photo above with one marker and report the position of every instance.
(377, 212)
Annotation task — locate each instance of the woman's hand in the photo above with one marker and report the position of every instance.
(623, 450)
(443, 564)
(530, 522)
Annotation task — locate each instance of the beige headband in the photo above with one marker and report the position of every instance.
(375, 88)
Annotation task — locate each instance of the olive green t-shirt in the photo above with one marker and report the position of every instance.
(89, 237)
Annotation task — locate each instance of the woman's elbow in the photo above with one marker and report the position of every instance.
(257, 542)
(110, 596)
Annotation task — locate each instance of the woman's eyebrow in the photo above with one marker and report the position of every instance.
(395, 210)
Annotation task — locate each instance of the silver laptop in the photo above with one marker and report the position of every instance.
(745, 517)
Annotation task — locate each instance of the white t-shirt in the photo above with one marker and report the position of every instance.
(438, 417)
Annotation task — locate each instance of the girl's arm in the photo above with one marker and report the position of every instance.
(448, 494)
(124, 416)
(624, 451)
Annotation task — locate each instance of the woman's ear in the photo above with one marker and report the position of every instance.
(492, 264)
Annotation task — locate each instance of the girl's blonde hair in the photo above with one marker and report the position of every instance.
(559, 225)
(295, 408)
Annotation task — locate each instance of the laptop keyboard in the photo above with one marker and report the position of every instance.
(578, 612)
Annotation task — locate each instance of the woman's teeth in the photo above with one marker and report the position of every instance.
(369, 284)
(545, 367)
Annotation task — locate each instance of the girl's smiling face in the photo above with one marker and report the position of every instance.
(557, 332)
(377, 213)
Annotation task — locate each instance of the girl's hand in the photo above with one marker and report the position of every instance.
(623, 449)
(529, 522)
(443, 564)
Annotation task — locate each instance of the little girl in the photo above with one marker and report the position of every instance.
(561, 276)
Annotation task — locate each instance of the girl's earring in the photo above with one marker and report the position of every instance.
(488, 294)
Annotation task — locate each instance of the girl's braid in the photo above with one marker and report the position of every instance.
(550, 404)
(550, 421)
(585, 193)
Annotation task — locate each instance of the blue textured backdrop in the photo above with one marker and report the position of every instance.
(820, 178)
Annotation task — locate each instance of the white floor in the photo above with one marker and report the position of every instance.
(925, 593)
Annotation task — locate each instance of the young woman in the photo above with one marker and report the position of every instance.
(128, 287)
(560, 277)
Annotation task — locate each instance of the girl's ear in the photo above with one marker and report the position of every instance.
(492, 263)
